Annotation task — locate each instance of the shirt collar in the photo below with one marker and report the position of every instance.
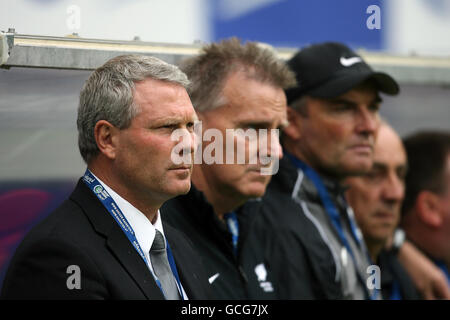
(144, 230)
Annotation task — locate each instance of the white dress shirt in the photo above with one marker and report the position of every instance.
(143, 229)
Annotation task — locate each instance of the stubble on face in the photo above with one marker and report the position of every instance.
(249, 104)
(337, 135)
(143, 162)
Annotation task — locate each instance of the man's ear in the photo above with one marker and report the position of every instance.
(293, 130)
(428, 207)
(106, 137)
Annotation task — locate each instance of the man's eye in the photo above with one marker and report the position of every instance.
(401, 174)
(374, 176)
(343, 107)
(190, 126)
(167, 126)
(374, 107)
(249, 126)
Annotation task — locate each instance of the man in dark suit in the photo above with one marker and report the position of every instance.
(107, 240)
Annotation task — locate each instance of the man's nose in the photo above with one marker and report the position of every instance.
(368, 121)
(274, 149)
(188, 142)
(394, 189)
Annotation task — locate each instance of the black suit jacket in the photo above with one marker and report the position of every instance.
(81, 232)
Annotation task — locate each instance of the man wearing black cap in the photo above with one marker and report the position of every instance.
(312, 242)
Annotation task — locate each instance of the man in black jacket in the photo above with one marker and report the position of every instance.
(237, 90)
(107, 241)
(317, 249)
(376, 198)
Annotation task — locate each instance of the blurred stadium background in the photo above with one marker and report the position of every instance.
(39, 85)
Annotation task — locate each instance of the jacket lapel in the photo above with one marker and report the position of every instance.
(121, 247)
(185, 266)
(117, 242)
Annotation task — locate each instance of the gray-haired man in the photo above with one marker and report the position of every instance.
(239, 88)
(107, 240)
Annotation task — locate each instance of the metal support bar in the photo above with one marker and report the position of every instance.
(87, 54)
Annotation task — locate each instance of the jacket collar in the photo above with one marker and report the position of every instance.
(288, 176)
(116, 240)
(202, 212)
(189, 278)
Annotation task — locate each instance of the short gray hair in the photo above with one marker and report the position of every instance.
(109, 92)
(209, 70)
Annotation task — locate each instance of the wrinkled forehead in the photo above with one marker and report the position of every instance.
(361, 94)
(246, 99)
(389, 149)
(163, 100)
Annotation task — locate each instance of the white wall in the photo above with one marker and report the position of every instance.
(418, 26)
(409, 26)
(173, 21)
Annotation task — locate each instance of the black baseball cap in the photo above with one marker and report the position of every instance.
(329, 69)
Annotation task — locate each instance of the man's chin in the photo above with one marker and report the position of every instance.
(186, 188)
(358, 169)
(256, 190)
(180, 188)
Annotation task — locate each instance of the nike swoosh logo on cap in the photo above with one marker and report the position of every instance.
(347, 62)
(213, 278)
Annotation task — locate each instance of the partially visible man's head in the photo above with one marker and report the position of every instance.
(109, 92)
(426, 210)
(333, 112)
(376, 197)
(128, 109)
(239, 86)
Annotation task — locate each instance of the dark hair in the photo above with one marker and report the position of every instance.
(427, 152)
